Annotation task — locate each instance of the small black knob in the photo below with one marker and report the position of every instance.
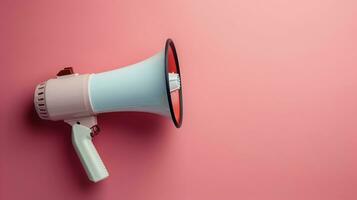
(65, 71)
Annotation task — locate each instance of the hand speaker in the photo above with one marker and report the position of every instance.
(153, 85)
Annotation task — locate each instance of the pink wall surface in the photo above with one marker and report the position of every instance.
(270, 96)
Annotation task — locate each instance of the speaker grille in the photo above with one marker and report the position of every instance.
(40, 101)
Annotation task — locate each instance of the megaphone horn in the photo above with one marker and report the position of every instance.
(153, 85)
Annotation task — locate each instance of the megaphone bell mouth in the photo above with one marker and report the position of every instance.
(172, 72)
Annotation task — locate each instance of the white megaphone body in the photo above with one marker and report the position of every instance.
(153, 85)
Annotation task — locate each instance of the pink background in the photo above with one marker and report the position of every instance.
(270, 95)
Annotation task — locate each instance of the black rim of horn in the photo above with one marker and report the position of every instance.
(170, 44)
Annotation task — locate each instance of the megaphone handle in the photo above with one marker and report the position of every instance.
(82, 142)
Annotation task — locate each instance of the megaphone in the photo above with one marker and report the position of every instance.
(153, 85)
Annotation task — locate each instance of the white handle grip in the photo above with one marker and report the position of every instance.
(82, 142)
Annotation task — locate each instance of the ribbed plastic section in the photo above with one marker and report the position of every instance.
(40, 101)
